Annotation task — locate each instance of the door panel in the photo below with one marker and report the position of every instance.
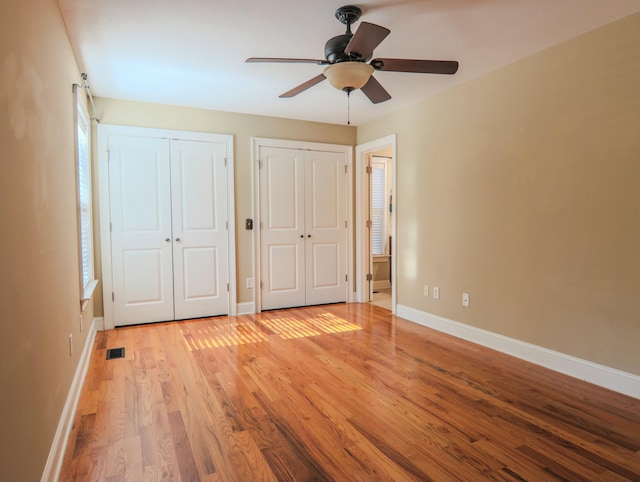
(141, 229)
(282, 233)
(325, 227)
(198, 180)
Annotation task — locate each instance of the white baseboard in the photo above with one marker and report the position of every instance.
(246, 308)
(611, 378)
(384, 284)
(59, 445)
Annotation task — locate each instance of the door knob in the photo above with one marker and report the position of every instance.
(178, 239)
(167, 239)
(308, 235)
(302, 235)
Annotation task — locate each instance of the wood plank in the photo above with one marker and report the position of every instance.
(337, 392)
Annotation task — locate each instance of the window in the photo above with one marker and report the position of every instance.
(379, 205)
(85, 225)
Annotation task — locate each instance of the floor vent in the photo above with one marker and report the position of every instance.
(115, 353)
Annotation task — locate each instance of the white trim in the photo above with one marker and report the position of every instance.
(363, 152)
(65, 424)
(603, 376)
(246, 308)
(256, 144)
(104, 131)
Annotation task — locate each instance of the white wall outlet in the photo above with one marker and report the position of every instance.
(436, 293)
(70, 344)
(465, 299)
(249, 283)
(426, 290)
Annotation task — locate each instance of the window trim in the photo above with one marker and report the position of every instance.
(85, 229)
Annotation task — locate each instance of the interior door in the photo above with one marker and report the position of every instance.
(140, 198)
(200, 238)
(325, 227)
(282, 227)
(303, 231)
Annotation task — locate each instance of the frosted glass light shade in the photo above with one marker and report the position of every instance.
(348, 75)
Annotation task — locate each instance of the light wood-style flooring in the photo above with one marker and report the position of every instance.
(338, 392)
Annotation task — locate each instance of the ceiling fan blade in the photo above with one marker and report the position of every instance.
(304, 86)
(285, 61)
(417, 66)
(366, 39)
(375, 91)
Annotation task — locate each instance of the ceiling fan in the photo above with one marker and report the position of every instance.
(349, 64)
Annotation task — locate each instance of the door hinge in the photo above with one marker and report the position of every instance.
(110, 226)
(369, 170)
(108, 155)
(369, 277)
(227, 224)
(369, 224)
(345, 168)
(259, 164)
(227, 286)
(345, 224)
(225, 162)
(346, 277)
(113, 296)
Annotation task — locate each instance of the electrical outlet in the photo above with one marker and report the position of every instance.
(465, 299)
(436, 293)
(426, 290)
(249, 283)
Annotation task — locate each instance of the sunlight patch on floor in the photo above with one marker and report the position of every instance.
(216, 336)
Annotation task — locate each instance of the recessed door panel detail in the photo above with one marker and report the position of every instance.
(326, 265)
(303, 232)
(141, 187)
(283, 203)
(197, 179)
(169, 237)
(325, 199)
(143, 276)
(199, 264)
(284, 269)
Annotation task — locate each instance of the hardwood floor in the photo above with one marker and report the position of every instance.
(338, 392)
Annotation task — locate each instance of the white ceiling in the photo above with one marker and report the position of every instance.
(192, 52)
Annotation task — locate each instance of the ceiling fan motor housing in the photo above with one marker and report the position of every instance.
(334, 48)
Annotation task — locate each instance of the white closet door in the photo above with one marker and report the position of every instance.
(325, 217)
(282, 227)
(140, 198)
(200, 238)
(303, 233)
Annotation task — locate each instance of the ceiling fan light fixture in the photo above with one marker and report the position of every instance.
(348, 76)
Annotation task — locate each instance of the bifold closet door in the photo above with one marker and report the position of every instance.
(142, 252)
(169, 237)
(303, 232)
(199, 193)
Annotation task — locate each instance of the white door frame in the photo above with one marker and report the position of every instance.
(104, 131)
(363, 255)
(256, 144)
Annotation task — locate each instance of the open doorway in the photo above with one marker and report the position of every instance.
(375, 222)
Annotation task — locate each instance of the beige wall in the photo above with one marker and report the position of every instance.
(522, 187)
(243, 127)
(39, 286)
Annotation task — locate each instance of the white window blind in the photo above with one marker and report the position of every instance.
(84, 196)
(378, 206)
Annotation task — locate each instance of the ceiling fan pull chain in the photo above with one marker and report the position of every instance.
(348, 108)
